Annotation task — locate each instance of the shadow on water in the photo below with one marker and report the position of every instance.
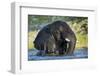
(78, 53)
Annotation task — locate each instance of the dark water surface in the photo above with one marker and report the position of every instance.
(79, 53)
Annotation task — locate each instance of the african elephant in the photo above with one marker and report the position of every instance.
(56, 37)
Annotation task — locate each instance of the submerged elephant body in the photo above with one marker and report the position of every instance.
(56, 37)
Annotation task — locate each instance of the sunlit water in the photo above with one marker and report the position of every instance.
(79, 53)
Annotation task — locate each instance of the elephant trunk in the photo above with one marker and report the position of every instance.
(72, 45)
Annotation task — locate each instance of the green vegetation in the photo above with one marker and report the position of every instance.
(82, 41)
(78, 24)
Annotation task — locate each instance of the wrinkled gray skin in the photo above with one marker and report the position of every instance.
(53, 37)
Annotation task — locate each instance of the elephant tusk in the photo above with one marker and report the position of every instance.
(67, 39)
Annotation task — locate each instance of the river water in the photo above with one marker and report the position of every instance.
(78, 53)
